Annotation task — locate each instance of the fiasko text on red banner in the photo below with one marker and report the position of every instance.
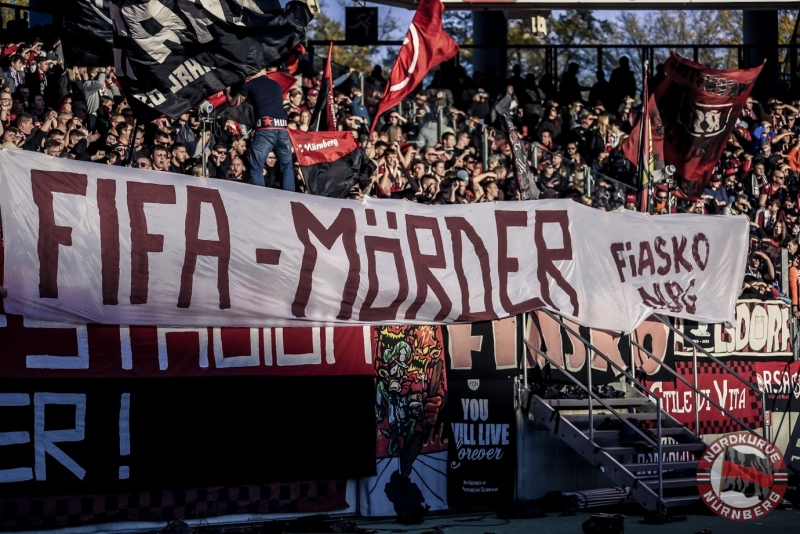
(89, 243)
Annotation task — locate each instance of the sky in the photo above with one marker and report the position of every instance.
(404, 16)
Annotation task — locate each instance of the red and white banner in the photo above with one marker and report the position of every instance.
(88, 243)
(726, 390)
(321, 147)
(43, 349)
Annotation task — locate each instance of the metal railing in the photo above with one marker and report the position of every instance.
(551, 59)
(591, 349)
(695, 348)
(588, 176)
(697, 392)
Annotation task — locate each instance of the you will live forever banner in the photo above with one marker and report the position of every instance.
(93, 243)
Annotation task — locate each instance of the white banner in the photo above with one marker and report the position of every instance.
(92, 243)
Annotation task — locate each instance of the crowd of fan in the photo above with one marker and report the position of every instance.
(444, 145)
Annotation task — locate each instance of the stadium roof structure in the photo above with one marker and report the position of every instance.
(539, 5)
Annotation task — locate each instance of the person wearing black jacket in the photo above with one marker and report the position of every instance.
(219, 161)
(34, 135)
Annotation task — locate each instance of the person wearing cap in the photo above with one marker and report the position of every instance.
(715, 194)
(311, 99)
(764, 133)
(460, 193)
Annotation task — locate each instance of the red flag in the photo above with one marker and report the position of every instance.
(654, 137)
(330, 106)
(286, 80)
(699, 108)
(646, 145)
(426, 45)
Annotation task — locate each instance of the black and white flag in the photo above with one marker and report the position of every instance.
(171, 54)
(88, 38)
(527, 186)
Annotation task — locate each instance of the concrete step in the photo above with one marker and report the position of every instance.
(671, 483)
(682, 500)
(613, 434)
(599, 418)
(616, 451)
(653, 466)
(578, 404)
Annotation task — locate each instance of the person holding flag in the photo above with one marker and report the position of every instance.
(270, 135)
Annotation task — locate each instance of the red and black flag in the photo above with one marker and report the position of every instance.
(331, 162)
(324, 117)
(699, 107)
(644, 147)
(748, 474)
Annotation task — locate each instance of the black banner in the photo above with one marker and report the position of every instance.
(482, 441)
(112, 435)
(482, 457)
(88, 38)
(175, 56)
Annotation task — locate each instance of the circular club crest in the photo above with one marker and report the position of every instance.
(742, 477)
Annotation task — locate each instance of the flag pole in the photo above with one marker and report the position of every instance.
(642, 169)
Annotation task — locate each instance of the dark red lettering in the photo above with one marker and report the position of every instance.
(505, 265)
(195, 198)
(658, 301)
(689, 301)
(423, 263)
(143, 243)
(675, 292)
(373, 245)
(701, 262)
(268, 256)
(457, 226)
(109, 239)
(305, 224)
(646, 258)
(617, 250)
(44, 184)
(677, 254)
(547, 256)
(664, 255)
(632, 259)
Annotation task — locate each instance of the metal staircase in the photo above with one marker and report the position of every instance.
(632, 440)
